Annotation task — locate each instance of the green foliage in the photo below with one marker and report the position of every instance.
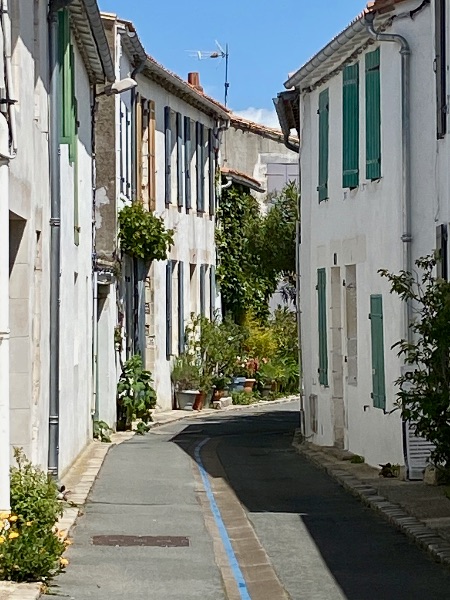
(135, 394)
(424, 391)
(102, 431)
(254, 250)
(357, 460)
(244, 398)
(30, 549)
(185, 372)
(389, 471)
(142, 234)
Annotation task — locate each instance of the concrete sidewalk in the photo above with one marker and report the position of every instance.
(420, 511)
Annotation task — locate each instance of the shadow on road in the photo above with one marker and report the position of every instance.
(368, 558)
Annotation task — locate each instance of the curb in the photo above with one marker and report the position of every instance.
(422, 535)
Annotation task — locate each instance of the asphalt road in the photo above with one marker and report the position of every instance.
(322, 543)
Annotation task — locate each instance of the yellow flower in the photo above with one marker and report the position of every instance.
(62, 534)
(4, 515)
(29, 523)
(13, 535)
(63, 562)
(13, 519)
(2, 539)
(67, 542)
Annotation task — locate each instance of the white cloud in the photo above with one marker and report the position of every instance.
(263, 116)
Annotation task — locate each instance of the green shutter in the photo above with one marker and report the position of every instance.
(323, 145)
(350, 120)
(322, 320)
(373, 115)
(376, 329)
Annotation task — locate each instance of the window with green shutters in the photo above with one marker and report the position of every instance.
(350, 133)
(322, 321)
(377, 337)
(324, 109)
(373, 115)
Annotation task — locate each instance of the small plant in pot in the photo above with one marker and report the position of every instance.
(186, 380)
(203, 398)
(220, 385)
(135, 396)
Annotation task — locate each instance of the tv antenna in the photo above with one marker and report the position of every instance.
(218, 53)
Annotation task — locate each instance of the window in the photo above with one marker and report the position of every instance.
(441, 68)
(373, 115)
(187, 162)
(323, 145)
(279, 175)
(200, 166)
(181, 328)
(180, 191)
(168, 155)
(350, 134)
(441, 251)
(377, 337)
(322, 322)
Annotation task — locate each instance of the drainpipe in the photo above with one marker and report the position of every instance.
(289, 144)
(8, 146)
(55, 235)
(405, 52)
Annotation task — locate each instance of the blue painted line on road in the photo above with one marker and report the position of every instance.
(237, 573)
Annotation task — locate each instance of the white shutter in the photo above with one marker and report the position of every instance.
(418, 452)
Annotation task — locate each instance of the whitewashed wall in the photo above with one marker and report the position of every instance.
(364, 227)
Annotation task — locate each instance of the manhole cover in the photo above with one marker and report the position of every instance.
(161, 541)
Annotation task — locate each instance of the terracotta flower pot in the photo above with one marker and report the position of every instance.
(248, 385)
(199, 401)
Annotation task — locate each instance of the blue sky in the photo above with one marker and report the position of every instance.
(267, 40)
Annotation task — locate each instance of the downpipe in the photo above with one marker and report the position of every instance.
(406, 238)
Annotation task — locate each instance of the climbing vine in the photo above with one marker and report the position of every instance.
(255, 250)
(142, 234)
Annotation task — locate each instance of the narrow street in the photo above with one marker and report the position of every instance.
(293, 534)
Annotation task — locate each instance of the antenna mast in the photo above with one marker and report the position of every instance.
(219, 53)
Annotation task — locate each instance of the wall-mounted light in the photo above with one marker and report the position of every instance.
(118, 87)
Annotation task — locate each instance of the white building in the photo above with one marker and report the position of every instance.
(372, 113)
(166, 140)
(46, 182)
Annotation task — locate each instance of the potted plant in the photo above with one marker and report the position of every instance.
(186, 380)
(220, 385)
(135, 395)
(203, 396)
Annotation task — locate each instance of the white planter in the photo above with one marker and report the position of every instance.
(186, 399)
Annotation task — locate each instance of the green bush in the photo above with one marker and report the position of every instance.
(30, 549)
(135, 395)
(244, 398)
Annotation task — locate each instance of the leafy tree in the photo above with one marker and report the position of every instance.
(424, 391)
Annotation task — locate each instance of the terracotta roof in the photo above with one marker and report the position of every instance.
(382, 5)
(242, 178)
(246, 125)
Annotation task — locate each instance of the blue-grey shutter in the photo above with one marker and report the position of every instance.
(187, 161)
(202, 290)
(322, 323)
(376, 329)
(440, 66)
(212, 173)
(168, 309)
(180, 159)
(180, 307)
(373, 115)
(200, 167)
(350, 124)
(442, 251)
(167, 154)
(212, 291)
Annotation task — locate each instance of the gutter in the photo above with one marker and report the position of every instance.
(405, 52)
(355, 28)
(282, 118)
(98, 32)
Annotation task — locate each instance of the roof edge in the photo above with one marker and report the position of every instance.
(99, 35)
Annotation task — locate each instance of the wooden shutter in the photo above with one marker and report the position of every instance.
(441, 67)
(350, 119)
(202, 290)
(377, 337)
(322, 321)
(323, 144)
(200, 167)
(167, 154)
(441, 251)
(180, 307)
(212, 291)
(168, 309)
(180, 159)
(373, 115)
(187, 162)
(151, 156)
(212, 173)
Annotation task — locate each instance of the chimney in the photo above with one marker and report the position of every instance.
(194, 80)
